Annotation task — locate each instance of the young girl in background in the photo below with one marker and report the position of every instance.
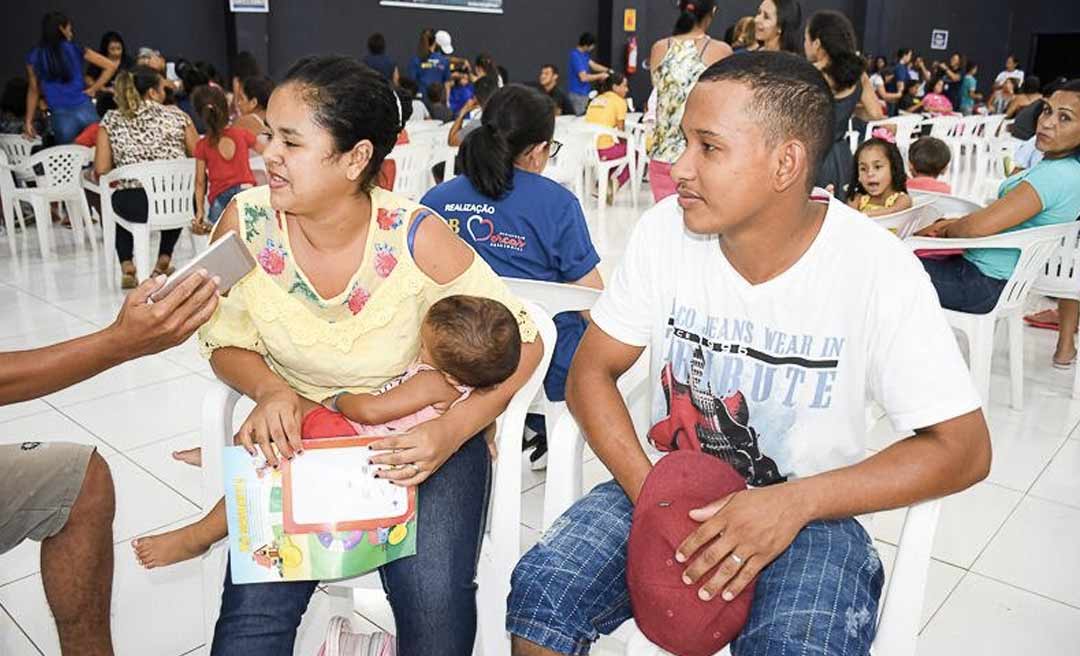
(609, 110)
(221, 157)
(935, 101)
(879, 186)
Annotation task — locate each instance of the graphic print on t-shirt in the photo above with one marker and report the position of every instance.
(734, 389)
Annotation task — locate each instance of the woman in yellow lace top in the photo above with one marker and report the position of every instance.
(346, 273)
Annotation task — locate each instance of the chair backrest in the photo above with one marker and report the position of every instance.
(62, 168)
(170, 189)
(946, 204)
(903, 126)
(905, 223)
(1036, 246)
(1061, 276)
(942, 126)
(7, 179)
(17, 148)
(411, 176)
(554, 298)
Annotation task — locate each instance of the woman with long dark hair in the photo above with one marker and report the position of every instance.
(778, 25)
(112, 46)
(521, 223)
(676, 63)
(54, 69)
(830, 46)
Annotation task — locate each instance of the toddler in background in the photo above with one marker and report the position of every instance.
(879, 184)
(467, 344)
(927, 159)
(220, 157)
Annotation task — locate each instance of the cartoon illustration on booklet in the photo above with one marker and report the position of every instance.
(321, 516)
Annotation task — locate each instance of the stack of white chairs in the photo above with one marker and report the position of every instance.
(501, 541)
(1035, 246)
(170, 190)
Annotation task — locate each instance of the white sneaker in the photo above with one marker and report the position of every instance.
(341, 641)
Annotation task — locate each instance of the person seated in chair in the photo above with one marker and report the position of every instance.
(767, 351)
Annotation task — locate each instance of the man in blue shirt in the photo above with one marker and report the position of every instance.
(901, 76)
(583, 72)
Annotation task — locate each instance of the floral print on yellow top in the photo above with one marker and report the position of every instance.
(866, 203)
(357, 340)
(674, 79)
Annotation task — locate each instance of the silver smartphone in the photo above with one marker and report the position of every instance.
(228, 258)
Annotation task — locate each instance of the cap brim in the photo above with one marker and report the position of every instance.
(448, 49)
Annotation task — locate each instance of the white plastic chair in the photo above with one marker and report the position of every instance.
(170, 189)
(568, 167)
(412, 174)
(905, 126)
(59, 182)
(10, 202)
(501, 541)
(902, 599)
(1061, 279)
(907, 222)
(1035, 246)
(948, 205)
(602, 169)
(17, 149)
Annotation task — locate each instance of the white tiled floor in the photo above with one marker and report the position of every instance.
(1004, 579)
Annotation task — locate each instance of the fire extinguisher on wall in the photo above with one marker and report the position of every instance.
(631, 55)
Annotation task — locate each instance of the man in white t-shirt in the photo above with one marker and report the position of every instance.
(1011, 70)
(772, 314)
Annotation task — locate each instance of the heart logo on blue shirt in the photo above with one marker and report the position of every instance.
(478, 233)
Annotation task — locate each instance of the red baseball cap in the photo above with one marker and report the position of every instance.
(668, 611)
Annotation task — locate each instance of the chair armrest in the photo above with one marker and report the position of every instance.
(1002, 240)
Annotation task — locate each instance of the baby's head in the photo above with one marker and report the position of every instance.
(473, 340)
(879, 169)
(929, 156)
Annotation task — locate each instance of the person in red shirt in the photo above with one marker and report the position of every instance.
(221, 157)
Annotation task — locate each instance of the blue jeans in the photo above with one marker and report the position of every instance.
(818, 597)
(432, 594)
(68, 122)
(221, 202)
(961, 286)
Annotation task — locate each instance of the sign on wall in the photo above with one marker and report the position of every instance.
(249, 6)
(939, 40)
(482, 6)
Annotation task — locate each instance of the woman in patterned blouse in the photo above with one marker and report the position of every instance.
(141, 130)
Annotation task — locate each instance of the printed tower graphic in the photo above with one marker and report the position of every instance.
(697, 419)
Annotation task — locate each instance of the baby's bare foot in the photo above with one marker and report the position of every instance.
(168, 548)
(192, 457)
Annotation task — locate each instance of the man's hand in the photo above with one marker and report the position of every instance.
(742, 533)
(146, 328)
(938, 228)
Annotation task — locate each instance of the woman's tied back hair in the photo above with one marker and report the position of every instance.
(477, 340)
(351, 102)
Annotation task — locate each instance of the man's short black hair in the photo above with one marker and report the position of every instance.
(553, 67)
(586, 40)
(376, 44)
(791, 99)
(903, 51)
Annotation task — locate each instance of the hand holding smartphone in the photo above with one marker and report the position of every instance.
(227, 258)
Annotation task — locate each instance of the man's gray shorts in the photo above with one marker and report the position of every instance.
(39, 482)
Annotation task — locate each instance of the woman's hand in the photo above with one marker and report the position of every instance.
(28, 130)
(734, 535)
(275, 422)
(415, 455)
(938, 228)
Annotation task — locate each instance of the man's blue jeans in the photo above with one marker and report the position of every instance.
(818, 597)
(433, 594)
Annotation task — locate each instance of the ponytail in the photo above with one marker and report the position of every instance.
(837, 37)
(487, 160)
(515, 119)
(132, 86)
(691, 13)
(213, 109)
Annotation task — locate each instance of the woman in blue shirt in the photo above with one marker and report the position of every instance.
(523, 224)
(54, 69)
(1045, 194)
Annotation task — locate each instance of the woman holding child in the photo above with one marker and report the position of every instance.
(347, 274)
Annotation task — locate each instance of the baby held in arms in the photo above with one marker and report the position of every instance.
(467, 345)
